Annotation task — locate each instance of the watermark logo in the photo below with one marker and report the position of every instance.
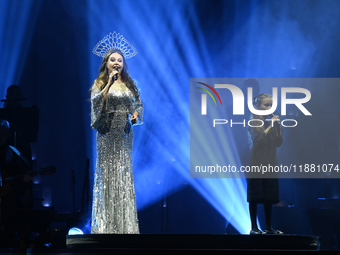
(238, 103)
(244, 114)
(204, 97)
(238, 99)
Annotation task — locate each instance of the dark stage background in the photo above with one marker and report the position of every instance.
(46, 49)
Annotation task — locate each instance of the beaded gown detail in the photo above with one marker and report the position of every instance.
(114, 208)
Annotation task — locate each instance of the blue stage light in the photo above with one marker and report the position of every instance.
(75, 231)
(198, 39)
(17, 27)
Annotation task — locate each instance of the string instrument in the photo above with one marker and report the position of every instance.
(7, 181)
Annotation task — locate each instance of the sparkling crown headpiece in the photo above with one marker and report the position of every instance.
(114, 41)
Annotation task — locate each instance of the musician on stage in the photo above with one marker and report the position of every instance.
(15, 194)
(263, 140)
(24, 121)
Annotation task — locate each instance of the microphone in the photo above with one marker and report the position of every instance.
(272, 115)
(115, 77)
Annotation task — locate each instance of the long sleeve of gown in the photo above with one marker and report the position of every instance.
(97, 108)
(263, 188)
(256, 135)
(259, 137)
(278, 138)
(138, 107)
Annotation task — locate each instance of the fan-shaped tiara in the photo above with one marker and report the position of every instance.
(114, 41)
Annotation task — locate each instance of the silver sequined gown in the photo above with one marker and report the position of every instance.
(114, 202)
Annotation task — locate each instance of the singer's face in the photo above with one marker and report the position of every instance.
(266, 104)
(115, 60)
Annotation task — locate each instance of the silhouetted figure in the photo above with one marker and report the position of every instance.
(15, 186)
(14, 97)
(264, 139)
(24, 121)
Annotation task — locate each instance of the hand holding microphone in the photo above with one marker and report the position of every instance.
(112, 78)
(134, 118)
(114, 75)
(275, 118)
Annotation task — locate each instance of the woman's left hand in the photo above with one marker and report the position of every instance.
(134, 118)
(276, 119)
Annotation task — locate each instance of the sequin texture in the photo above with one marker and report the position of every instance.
(114, 202)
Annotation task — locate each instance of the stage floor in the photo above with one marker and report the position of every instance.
(193, 242)
(179, 244)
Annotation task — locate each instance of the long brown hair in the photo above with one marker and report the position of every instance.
(254, 131)
(103, 76)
